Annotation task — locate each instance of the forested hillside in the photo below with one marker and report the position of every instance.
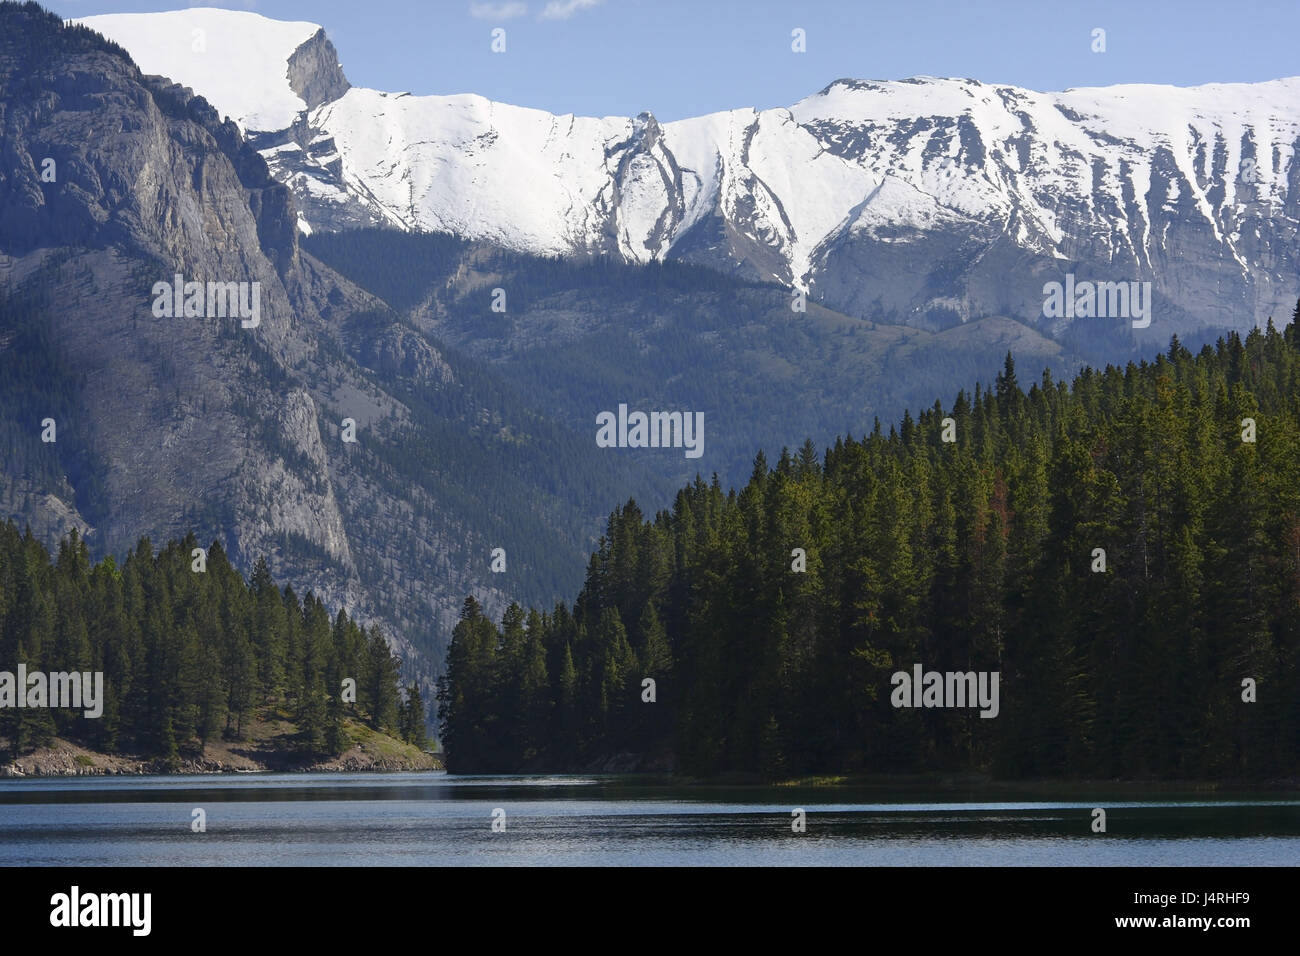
(765, 368)
(976, 554)
(189, 653)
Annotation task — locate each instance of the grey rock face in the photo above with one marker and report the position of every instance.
(314, 72)
(201, 423)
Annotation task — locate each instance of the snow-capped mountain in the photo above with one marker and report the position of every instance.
(927, 201)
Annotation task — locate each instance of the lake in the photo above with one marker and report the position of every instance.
(439, 819)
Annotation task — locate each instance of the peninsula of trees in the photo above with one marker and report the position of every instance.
(189, 653)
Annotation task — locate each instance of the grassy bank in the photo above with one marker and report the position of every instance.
(270, 743)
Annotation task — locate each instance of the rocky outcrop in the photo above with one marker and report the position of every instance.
(314, 71)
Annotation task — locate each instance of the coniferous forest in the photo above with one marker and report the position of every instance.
(188, 656)
(1124, 550)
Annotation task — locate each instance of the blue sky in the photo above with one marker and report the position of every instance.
(680, 58)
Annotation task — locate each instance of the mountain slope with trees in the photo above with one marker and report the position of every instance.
(766, 368)
(977, 554)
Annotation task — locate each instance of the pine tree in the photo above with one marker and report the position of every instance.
(410, 720)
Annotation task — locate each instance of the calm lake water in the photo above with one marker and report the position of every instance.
(437, 819)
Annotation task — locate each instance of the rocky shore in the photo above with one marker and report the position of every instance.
(66, 759)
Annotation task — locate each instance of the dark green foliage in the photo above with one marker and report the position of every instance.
(976, 555)
(411, 718)
(187, 656)
(46, 34)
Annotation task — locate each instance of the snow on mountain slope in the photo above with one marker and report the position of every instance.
(987, 151)
(519, 177)
(237, 61)
(1111, 176)
(1196, 189)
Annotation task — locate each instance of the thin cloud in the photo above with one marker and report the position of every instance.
(564, 9)
(497, 11)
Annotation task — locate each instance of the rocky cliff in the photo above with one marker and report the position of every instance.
(112, 182)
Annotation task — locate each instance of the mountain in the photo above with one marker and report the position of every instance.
(475, 430)
(122, 421)
(474, 427)
(583, 337)
(926, 201)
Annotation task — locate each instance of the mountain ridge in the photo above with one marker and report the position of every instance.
(1196, 189)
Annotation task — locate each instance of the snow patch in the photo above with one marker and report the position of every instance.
(237, 61)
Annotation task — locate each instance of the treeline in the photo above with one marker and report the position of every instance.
(187, 655)
(46, 37)
(1118, 549)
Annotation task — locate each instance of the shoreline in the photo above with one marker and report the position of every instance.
(63, 758)
(378, 753)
